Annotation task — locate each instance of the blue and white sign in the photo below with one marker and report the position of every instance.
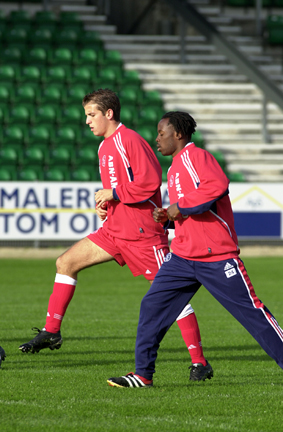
(66, 211)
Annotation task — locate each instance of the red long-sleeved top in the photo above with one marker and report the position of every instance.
(129, 166)
(205, 231)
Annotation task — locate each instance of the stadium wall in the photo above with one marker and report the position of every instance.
(48, 211)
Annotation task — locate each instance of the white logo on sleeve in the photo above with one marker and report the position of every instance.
(229, 270)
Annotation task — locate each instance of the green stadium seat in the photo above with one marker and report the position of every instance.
(78, 174)
(76, 93)
(30, 174)
(87, 156)
(46, 19)
(34, 157)
(30, 74)
(66, 38)
(91, 39)
(71, 115)
(18, 16)
(65, 135)
(43, 17)
(36, 56)
(82, 75)
(128, 116)
(60, 56)
(5, 95)
(8, 173)
(11, 55)
(41, 37)
(51, 94)
(70, 20)
(8, 75)
(112, 58)
(274, 30)
(55, 174)
(40, 134)
(147, 134)
(152, 99)
(46, 115)
(131, 77)
(107, 77)
(4, 115)
(128, 96)
(13, 134)
(9, 156)
(16, 37)
(85, 56)
(19, 114)
(148, 116)
(55, 74)
(60, 156)
(25, 94)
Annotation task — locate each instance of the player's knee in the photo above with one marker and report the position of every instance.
(61, 264)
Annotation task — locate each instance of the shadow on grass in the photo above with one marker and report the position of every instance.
(70, 339)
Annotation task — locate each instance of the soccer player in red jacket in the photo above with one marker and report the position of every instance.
(205, 252)
(131, 178)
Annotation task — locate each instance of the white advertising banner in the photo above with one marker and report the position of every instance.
(65, 210)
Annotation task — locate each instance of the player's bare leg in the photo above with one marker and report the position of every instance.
(83, 254)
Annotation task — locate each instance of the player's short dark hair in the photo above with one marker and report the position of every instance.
(105, 99)
(182, 122)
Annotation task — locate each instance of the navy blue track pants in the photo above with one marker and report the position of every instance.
(175, 284)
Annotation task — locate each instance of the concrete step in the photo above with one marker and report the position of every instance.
(177, 97)
(181, 68)
(141, 48)
(149, 39)
(221, 89)
(168, 79)
(213, 137)
(103, 29)
(250, 148)
(251, 159)
(238, 117)
(174, 57)
(79, 8)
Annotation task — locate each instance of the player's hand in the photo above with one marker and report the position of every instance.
(101, 212)
(102, 196)
(173, 213)
(160, 215)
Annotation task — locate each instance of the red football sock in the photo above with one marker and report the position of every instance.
(191, 335)
(63, 291)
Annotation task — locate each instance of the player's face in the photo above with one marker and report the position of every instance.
(99, 124)
(166, 139)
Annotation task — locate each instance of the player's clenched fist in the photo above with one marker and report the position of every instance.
(160, 215)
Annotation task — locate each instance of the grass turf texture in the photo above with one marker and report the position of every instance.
(66, 390)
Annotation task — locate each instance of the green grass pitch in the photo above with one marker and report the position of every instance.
(66, 390)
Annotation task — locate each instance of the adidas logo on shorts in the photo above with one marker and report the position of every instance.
(229, 270)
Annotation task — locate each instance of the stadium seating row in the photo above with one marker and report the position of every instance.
(252, 3)
(44, 75)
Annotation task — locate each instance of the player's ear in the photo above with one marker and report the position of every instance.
(109, 114)
(178, 135)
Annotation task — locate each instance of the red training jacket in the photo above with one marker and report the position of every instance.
(205, 231)
(129, 166)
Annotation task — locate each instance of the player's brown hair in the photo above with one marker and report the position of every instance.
(105, 99)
